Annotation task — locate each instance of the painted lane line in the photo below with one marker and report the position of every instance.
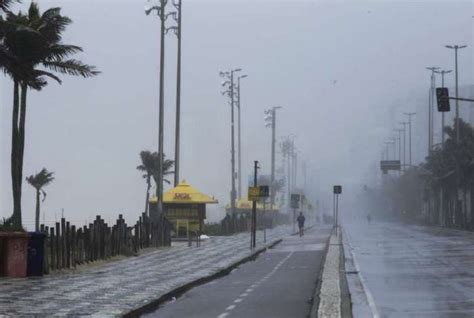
(238, 300)
(243, 294)
(230, 307)
(223, 315)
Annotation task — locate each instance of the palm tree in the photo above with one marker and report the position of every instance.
(150, 168)
(147, 167)
(31, 41)
(38, 181)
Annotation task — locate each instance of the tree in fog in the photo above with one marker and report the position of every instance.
(39, 181)
(150, 167)
(31, 52)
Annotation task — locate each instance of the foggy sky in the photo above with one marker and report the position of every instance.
(343, 71)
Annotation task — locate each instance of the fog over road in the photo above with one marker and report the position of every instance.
(412, 271)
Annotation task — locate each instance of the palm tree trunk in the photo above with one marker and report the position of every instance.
(16, 218)
(21, 134)
(37, 218)
(148, 186)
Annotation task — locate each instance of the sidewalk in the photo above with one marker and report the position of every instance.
(122, 286)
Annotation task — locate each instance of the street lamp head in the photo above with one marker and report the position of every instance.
(149, 9)
(237, 70)
(449, 46)
(243, 76)
(462, 46)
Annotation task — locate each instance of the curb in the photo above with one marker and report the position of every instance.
(315, 305)
(176, 292)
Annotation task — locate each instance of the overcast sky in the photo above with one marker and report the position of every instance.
(343, 71)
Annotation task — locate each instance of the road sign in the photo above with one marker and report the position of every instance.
(337, 189)
(264, 191)
(253, 193)
(295, 201)
(442, 96)
(387, 165)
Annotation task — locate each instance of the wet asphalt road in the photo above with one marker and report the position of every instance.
(279, 283)
(413, 271)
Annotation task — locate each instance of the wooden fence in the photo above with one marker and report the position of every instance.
(67, 246)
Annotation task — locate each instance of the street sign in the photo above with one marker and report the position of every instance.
(264, 191)
(387, 165)
(337, 189)
(253, 193)
(442, 96)
(295, 201)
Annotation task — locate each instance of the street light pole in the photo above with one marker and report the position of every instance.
(404, 143)
(456, 48)
(409, 135)
(159, 187)
(178, 5)
(272, 113)
(239, 136)
(430, 107)
(442, 72)
(230, 92)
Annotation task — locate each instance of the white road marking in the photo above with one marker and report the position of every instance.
(243, 294)
(230, 307)
(223, 315)
(249, 290)
(238, 300)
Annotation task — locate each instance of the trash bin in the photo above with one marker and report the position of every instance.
(35, 264)
(13, 256)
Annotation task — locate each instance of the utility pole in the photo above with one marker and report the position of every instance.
(456, 48)
(409, 136)
(399, 147)
(159, 187)
(271, 122)
(254, 207)
(404, 143)
(430, 107)
(442, 72)
(230, 92)
(239, 137)
(178, 31)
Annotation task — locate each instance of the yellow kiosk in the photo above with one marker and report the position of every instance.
(185, 208)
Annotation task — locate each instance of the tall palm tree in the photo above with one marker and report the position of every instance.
(147, 167)
(32, 43)
(150, 166)
(39, 181)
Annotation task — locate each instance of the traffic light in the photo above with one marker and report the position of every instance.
(442, 96)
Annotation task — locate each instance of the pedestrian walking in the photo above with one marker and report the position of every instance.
(301, 220)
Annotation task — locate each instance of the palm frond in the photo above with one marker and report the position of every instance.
(57, 52)
(6, 4)
(41, 179)
(71, 67)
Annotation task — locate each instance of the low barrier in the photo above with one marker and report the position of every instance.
(67, 246)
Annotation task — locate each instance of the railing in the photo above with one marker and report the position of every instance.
(67, 246)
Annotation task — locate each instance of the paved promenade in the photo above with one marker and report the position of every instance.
(119, 287)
